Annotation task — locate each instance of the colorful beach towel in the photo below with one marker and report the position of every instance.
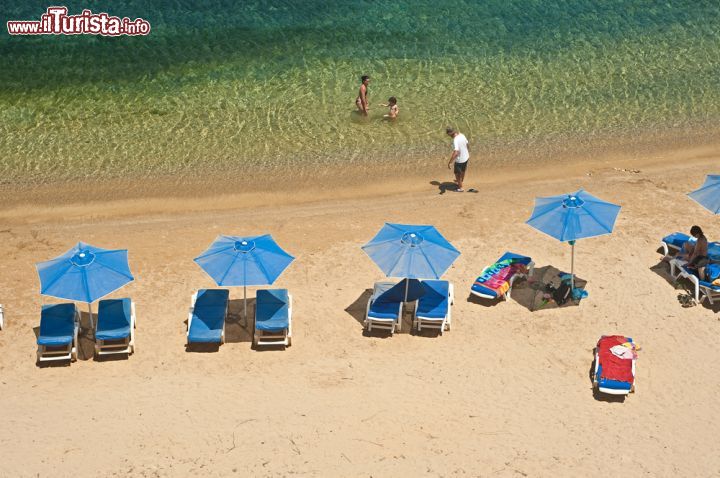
(613, 367)
(497, 277)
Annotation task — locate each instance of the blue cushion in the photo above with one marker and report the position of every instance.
(712, 272)
(676, 239)
(272, 310)
(714, 251)
(614, 384)
(386, 299)
(703, 283)
(57, 324)
(434, 302)
(212, 297)
(208, 316)
(384, 310)
(113, 321)
(481, 289)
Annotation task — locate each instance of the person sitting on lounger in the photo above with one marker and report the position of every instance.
(696, 253)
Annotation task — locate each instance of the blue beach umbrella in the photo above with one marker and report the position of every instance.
(708, 196)
(411, 251)
(569, 217)
(85, 273)
(244, 261)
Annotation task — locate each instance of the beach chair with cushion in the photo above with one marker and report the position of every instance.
(433, 307)
(702, 289)
(614, 375)
(674, 242)
(115, 328)
(206, 319)
(58, 338)
(273, 318)
(384, 308)
(496, 280)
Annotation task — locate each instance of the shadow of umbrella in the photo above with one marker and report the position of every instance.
(535, 292)
(235, 329)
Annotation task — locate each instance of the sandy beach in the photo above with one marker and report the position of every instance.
(506, 392)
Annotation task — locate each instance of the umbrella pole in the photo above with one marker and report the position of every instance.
(407, 286)
(245, 304)
(572, 267)
(92, 325)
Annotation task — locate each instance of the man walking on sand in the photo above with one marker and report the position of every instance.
(460, 156)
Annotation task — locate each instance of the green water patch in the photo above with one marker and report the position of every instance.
(270, 86)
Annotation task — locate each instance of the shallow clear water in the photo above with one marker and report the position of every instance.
(268, 86)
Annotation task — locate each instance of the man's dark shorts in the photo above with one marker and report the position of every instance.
(460, 168)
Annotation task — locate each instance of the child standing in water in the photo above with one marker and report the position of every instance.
(394, 110)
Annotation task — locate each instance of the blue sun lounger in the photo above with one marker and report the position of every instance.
(58, 338)
(609, 386)
(384, 308)
(701, 289)
(675, 242)
(496, 280)
(273, 318)
(433, 307)
(115, 329)
(206, 319)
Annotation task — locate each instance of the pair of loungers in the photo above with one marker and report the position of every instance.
(702, 289)
(434, 297)
(60, 325)
(432, 311)
(273, 317)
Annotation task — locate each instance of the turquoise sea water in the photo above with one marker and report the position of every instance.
(236, 87)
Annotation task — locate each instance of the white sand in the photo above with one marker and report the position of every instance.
(505, 393)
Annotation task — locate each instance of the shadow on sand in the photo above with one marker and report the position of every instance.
(535, 292)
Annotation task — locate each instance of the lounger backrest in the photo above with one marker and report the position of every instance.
(272, 296)
(435, 300)
(113, 314)
(394, 294)
(57, 320)
(435, 291)
(212, 298)
(514, 258)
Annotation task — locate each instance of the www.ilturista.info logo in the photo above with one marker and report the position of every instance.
(56, 21)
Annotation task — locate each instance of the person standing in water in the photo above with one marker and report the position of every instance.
(460, 156)
(361, 101)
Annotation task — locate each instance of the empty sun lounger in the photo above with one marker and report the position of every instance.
(496, 280)
(58, 338)
(206, 320)
(613, 375)
(273, 318)
(433, 307)
(115, 329)
(384, 308)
